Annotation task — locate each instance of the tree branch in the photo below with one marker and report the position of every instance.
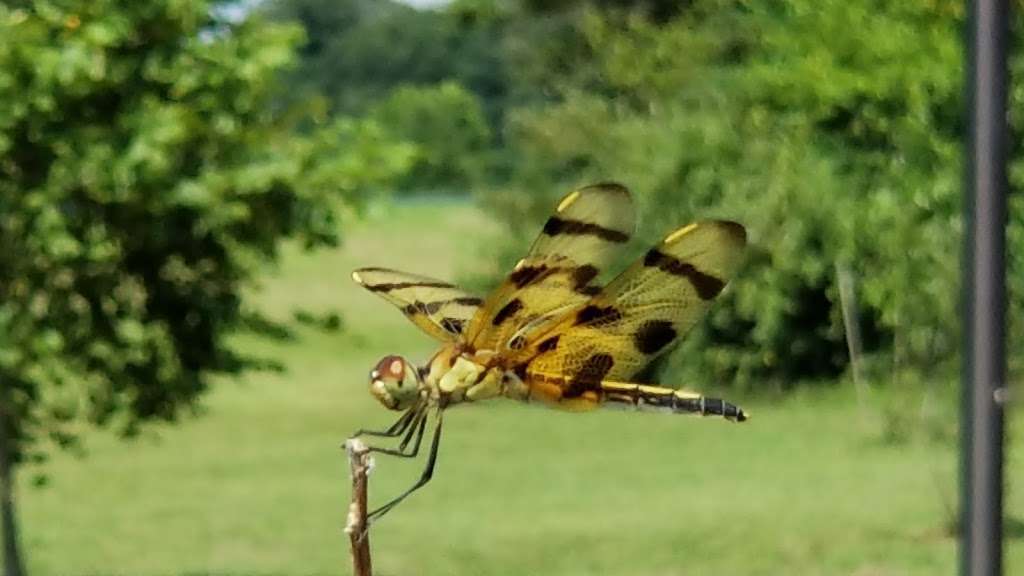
(12, 562)
(360, 462)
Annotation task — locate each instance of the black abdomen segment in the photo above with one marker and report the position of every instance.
(643, 397)
(709, 407)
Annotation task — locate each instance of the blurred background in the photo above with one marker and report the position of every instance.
(186, 184)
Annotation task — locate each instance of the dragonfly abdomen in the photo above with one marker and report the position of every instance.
(657, 398)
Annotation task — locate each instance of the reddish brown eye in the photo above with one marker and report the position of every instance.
(391, 366)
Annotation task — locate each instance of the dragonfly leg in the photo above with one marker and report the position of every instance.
(428, 472)
(396, 429)
(420, 427)
(417, 429)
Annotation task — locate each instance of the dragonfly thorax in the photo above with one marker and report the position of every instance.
(455, 375)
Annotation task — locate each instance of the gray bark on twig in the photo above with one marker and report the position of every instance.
(360, 462)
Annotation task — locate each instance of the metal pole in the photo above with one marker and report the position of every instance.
(985, 355)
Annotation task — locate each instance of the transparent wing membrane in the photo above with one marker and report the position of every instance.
(439, 308)
(577, 243)
(642, 312)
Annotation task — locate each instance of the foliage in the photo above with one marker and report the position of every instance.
(656, 10)
(142, 178)
(447, 125)
(846, 151)
(358, 51)
(435, 78)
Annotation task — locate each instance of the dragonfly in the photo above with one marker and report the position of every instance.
(549, 332)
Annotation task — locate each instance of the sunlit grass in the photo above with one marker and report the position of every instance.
(258, 484)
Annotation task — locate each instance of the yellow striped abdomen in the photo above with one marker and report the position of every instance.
(552, 390)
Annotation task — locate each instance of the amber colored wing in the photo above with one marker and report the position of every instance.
(440, 309)
(576, 244)
(640, 314)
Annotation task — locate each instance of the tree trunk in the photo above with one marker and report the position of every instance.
(8, 525)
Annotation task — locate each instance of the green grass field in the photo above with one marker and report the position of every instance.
(257, 485)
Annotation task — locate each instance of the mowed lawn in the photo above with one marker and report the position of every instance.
(257, 484)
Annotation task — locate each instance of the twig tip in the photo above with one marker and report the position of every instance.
(355, 447)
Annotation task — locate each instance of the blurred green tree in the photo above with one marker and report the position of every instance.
(143, 178)
(655, 10)
(447, 125)
(358, 51)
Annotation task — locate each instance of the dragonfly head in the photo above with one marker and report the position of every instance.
(395, 383)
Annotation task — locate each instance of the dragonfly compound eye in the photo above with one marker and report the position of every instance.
(393, 382)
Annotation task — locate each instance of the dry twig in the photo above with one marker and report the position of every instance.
(360, 463)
